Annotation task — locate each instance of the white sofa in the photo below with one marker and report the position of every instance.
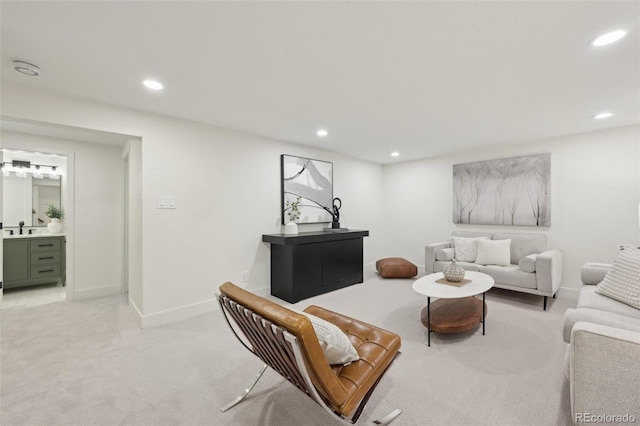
(532, 269)
(603, 353)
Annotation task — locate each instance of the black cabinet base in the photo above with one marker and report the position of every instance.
(313, 263)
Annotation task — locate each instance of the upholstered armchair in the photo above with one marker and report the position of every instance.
(288, 342)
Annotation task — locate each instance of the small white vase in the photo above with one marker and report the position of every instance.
(55, 226)
(291, 228)
(453, 272)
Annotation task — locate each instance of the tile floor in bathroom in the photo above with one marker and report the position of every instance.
(27, 297)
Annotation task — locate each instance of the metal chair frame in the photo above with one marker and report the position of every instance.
(281, 351)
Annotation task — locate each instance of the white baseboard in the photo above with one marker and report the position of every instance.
(568, 293)
(91, 293)
(262, 291)
(180, 313)
(136, 312)
(369, 271)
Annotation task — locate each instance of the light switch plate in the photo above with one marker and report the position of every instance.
(166, 202)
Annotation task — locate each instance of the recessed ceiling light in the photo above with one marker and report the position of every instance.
(602, 115)
(322, 133)
(26, 68)
(608, 38)
(153, 85)
(395, 154)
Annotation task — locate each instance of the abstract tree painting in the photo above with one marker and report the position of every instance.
(312, 180)
(508, 191)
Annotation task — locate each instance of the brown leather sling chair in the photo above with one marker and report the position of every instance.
(286, 341)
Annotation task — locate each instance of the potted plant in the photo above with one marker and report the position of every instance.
(293, 211)
(56, 215)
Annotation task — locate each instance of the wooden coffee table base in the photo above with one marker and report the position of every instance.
(454, 315)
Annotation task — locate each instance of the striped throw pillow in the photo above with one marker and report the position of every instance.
(622, 282)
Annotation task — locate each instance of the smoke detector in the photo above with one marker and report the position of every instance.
(26, 68)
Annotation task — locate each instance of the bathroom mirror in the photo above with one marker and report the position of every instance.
(26, 199)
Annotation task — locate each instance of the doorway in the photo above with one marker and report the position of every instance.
(35, 189)
(101, 200)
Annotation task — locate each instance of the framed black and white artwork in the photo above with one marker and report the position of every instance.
(312, 181)
(507, 191)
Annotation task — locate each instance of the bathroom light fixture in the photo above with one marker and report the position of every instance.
(602, 115)
(37, 173)
(153, 85)
(22, 168)
(322, 133)
(26, 68)
(54, 174)
(395, 154)
(608, 38)
(21, 164)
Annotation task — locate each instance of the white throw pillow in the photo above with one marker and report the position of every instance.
(494, 252)
(466, 249)
(445, 254)
(335, 344)
(622, 282)
(528, 263)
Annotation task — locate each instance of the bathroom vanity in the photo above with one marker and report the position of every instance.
(34, 259)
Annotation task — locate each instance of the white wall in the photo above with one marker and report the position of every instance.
(215, 233)
(227, 189)
(594, 198)
(96, 223)
(133, 152)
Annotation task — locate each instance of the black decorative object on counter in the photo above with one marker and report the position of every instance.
(335, 214)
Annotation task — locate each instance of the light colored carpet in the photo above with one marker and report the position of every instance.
(87, 363)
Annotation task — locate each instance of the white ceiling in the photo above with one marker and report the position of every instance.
(422, 78)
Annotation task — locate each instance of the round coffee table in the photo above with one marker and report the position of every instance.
(456, 310)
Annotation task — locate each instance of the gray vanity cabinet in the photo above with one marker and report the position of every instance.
(33, 261)
(16, 260)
